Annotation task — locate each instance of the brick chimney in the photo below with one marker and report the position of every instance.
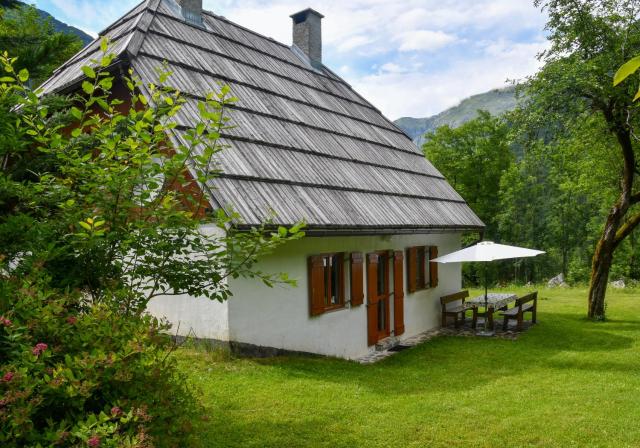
(191, 11)
(307, 34)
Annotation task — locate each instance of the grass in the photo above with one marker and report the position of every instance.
(566, 382)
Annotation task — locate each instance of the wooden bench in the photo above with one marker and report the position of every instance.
(526, 304)
(453, 305)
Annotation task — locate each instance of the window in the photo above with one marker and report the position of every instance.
(421, 273)
(383, 279)
(326, 282)
(333, 283)
(383, 290)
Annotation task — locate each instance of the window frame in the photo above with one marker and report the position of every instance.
(342, 302)
(423, 280)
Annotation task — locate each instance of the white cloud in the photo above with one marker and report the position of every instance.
(418, 93)
(354, 42)
(426, 40)
(390, 67)
(409, 57)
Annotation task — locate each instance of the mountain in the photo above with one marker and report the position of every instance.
(62, 27)
(495, 101)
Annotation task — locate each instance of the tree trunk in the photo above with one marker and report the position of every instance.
(601, 265)
(614, 231)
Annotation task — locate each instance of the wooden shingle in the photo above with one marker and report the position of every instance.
(305, 145)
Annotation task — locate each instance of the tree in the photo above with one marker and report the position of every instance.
(589, 40)
(92, 194)
(552, 197)
(473, 158)
(33, 40)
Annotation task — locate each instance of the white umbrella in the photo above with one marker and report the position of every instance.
(487, 251)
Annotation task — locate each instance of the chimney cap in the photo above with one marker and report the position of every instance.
(301, 16)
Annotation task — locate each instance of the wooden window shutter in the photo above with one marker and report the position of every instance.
(412, 266)
(372, 298)
(433, 267)
(398, 293)
(316, 285)
(357, 279)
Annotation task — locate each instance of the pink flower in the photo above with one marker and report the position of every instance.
(116, 411)
(71, 320)
(5, 322)
(8, 377)
(39, 348)
(94, 441)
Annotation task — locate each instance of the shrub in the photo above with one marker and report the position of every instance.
(74, 374)
(100, 214)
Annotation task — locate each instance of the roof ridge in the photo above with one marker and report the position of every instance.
(117, 21)
(335, 77)
(364, 104)
(244, 28)
(134, 46)
(226, 37)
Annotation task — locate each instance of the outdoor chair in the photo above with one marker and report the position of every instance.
(453, 305)
(526, 304)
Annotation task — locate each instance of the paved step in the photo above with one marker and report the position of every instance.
(387, 343)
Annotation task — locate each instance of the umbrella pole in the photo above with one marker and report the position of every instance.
(486, 300)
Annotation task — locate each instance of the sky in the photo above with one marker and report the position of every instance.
(408, 57)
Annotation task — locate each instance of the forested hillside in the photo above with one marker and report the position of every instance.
(496, 102)
(59, 26)
(37, 41)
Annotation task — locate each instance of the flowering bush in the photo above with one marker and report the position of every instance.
(78, 375)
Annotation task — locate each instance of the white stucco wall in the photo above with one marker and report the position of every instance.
(279, 317)
(197, 317)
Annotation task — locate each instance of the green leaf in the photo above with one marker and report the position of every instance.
(89, 72)
(84, 225)
(103, 105)
(76, 132)
(77, 114)
(104, 45)
(7, 79)
(106, 83)
(637, 97)
(87, 87)
(23, 75)
(626, 70)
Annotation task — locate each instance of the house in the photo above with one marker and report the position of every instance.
(306, 146)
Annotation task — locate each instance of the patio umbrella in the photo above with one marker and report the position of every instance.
(487, 251)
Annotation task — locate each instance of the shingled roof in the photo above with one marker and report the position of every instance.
(305, 146)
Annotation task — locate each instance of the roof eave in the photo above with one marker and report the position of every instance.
(323, 231)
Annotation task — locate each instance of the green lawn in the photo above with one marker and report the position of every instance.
(566, 382)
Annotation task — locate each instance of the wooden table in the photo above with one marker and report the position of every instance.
(495, 301)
